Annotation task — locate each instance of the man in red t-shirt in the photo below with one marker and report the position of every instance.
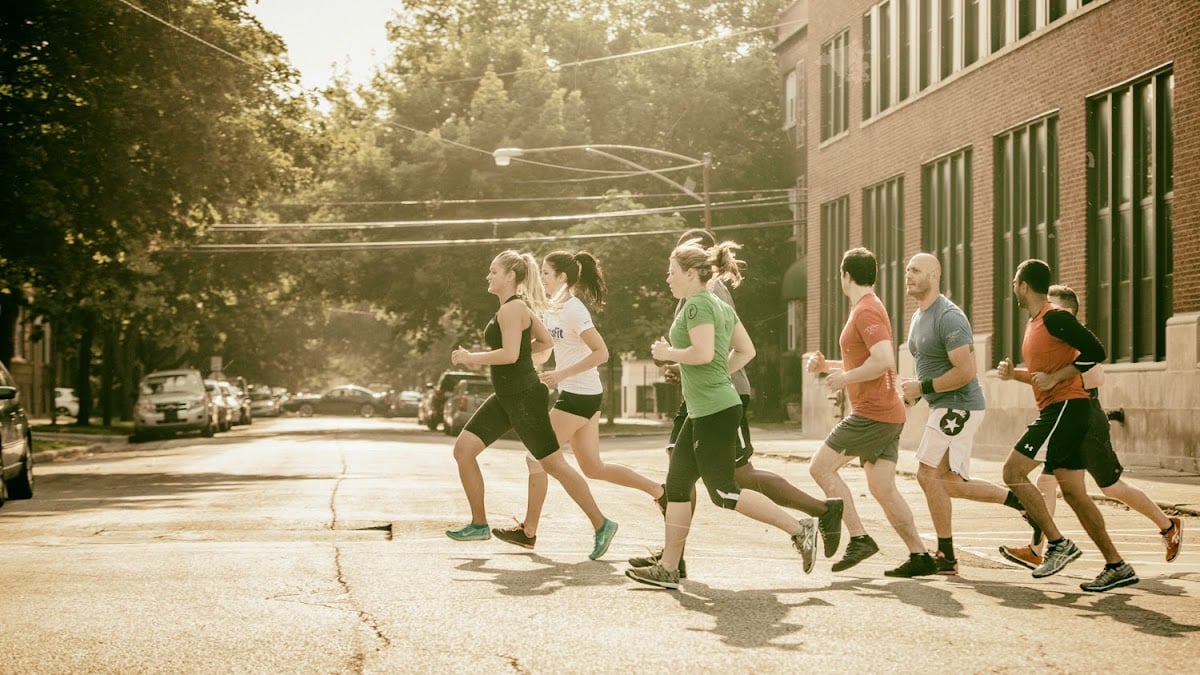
(1057, 350)
(872, 430)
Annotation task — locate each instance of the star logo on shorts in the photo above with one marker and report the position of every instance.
(953, 421)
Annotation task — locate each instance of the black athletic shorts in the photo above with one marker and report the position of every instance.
(1098, 455)
(527, 413)
(1056, 436)
(580, 405)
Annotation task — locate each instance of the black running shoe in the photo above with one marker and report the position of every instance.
(515, 535)
(830, 526)
(858, 550)
(917, 565)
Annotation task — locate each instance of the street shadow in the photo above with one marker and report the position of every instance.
(1112, 605)
(551, 577)
(68, 492)
(758, 618)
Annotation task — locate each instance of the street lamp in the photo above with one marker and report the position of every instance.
(504, 157)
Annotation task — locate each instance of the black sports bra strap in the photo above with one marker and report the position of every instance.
(515, 297)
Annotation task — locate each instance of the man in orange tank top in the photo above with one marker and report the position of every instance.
(871, 432)
(1057, 349)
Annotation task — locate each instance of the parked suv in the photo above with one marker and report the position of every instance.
(173, 401)
(430, 411)
(463, 401)
(16, 442)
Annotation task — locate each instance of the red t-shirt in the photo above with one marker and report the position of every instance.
(876, 399)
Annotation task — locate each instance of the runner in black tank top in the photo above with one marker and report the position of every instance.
(521, 401)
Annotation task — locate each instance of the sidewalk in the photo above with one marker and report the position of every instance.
(1172, 490)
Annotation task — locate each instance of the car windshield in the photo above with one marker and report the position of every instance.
(259, 396)
(162, 384)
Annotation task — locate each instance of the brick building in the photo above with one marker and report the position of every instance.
(990, 131)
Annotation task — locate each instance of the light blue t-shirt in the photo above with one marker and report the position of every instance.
(935, 332)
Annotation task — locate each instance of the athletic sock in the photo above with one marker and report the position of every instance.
(1164, 532)
(1113, 566)
(946, 546)
(1056, 542)
(1011, 501)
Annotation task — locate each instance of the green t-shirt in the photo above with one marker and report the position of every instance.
(707, 388)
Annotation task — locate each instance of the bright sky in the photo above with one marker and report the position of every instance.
(326, 36)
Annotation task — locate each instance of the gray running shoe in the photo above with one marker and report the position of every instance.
(653, 558)
(654, 575)
(830, 525)
(806, 543)
(1056, 557)
(1112, 578)
(858, 550)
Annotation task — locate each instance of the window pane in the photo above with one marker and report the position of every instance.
(905, 49)
(998, 24)
(885, 56)
(867, 84)
(970, 32)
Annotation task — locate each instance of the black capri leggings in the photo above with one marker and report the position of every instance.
(526, 412)
(705, 449)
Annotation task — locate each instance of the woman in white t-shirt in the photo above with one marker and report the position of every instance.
(570, 280)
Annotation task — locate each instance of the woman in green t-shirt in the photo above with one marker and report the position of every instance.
(708, 342)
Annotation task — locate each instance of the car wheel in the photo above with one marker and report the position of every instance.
(21, 486)
(208, 431)
(367, 410)
(306, 410)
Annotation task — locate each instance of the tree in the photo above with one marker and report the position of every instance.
(125, 138)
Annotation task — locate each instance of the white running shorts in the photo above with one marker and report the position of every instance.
(953, 431)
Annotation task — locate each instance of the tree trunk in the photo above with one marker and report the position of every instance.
(83, 387)
(106, 377)
(9, 304)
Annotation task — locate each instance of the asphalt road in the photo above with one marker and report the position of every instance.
(316, 545)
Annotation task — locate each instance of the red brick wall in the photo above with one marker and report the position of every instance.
(1055, 69)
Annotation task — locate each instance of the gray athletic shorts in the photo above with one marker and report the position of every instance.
(869, 440)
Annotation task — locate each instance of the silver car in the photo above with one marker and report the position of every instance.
(16, 443)
(173, 401)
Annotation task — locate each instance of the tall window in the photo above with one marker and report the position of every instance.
(835, 240)
(801, 104)
(1025, 217)
(883, 234)
(835, 94)
(789, 100)
(946, 222)
(1130, 209)
(904, 45)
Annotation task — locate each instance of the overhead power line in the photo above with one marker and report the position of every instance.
(515, 220)
(438, 243)
(502, 200)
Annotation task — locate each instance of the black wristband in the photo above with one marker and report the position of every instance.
(927, 387)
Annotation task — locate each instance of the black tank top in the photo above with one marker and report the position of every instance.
(511, 378)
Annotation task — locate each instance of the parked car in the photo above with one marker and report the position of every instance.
(173, 401)
(434, 399)
(406, 403)
(264, 404)
(224, 407)
(463, 401)
(237, 389)
(16, 442)
(349, 399)
(66, 403)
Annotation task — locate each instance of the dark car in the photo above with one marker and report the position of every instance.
(16, 442)
(349, 399)
(406, 403)
(430, 412)
(463, 401)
